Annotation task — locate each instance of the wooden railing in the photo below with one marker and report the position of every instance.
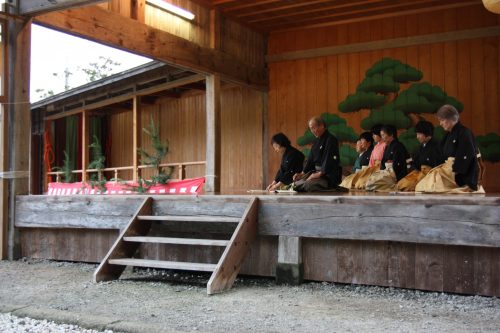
(181, 169)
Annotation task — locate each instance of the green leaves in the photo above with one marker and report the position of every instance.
(489, 146)
(160, 152)
(386, 115)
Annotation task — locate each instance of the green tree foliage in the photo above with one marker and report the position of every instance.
(67, 170)
(160, 151)
(98, 162)
(347, 155)
(489, 146)
(99, 69)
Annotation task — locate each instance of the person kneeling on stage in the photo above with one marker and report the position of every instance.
(393, 165)
(322, 170)
(461, 172)
(292, 161)
(364, 147)
(428, 156)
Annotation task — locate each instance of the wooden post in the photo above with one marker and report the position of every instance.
(138, 10)
(85, 144)
(289, 268)
(136, 136)
(215, 29)
(3, 146)
(213, 151)
(16, 128)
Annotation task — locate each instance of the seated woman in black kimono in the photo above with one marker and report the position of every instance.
(393, 165)
(292, 161)
(460, 172)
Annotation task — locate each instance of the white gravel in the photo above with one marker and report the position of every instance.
(13, 324)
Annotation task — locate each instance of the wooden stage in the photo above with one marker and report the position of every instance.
(445, 243)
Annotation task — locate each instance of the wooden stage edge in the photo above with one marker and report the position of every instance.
(444, 243)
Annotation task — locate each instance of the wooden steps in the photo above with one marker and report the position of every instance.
(188, 266)
(180, 241)
(124, 251)
(197, 218)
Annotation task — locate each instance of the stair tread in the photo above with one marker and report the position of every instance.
(189, 266)
(189, 218)
(172, 240)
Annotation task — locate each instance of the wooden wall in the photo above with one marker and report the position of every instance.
(183, 123)
(468, 69)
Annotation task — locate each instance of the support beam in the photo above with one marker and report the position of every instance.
(290, 268)
(37, 7)
(18, 122)
(136, 136)
(3, 145)
(213, 151)
(85, 144)
(130, 35)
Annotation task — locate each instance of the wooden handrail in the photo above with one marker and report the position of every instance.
(181, 171)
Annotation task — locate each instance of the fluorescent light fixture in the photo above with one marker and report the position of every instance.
(172, 9)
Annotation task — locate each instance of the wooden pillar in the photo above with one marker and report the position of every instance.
(16, 129)
(213, 151)
(136, 136)
(265, 140)
(290, 268)
(3, 146)
(85, 144)
(138, 10)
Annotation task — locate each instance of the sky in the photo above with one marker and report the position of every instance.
(54, 52)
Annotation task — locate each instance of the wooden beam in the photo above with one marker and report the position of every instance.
(18, 121)
(346, 19)
(136, 137)
(115, 30)
(313, 14)
(129, 96)
(387, 44)
(85, 144)
(213, 153)
(215, 29)
(138, 10)
(3, 144)
(37, 7)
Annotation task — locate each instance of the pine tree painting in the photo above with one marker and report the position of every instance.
(380, 92)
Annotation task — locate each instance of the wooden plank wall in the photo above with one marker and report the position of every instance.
(183, 123)
(457, 269)
(468, 69)
(88, 245)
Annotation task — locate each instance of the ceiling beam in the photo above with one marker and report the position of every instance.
(37, 7)
(117, 31)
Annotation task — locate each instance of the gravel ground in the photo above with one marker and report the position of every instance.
(165, 301)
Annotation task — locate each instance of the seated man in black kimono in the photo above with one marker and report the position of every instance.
(459, 142)
(322, 170)
(395, 153)
(292, 161)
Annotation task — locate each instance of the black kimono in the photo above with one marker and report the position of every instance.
(397, 153)
(324, 156)
(429, 154)
(461, 144)
(291, 163)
